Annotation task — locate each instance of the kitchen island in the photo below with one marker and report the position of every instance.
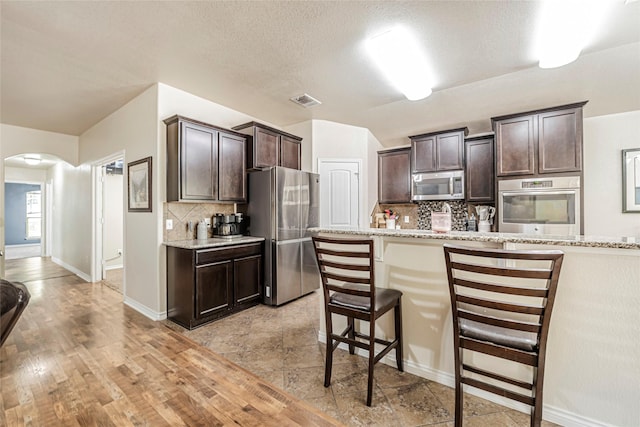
(592, 374)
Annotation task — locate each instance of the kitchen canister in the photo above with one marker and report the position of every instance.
(201, 231)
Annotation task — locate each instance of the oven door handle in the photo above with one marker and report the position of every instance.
(537, 193)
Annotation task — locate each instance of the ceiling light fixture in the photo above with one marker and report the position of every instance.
(565, 28)
(400, 58)
(32, 161)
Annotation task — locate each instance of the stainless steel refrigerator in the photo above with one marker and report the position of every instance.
(283, 204)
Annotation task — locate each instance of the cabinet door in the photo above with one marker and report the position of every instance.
(213, 288)
(289, 152)
(247, 279)
(424, 154)
(515, 146)
(449, 151)
(479, 171)
(232, 186)
(198, 162)
(265, 148)
(560, 141)
(394, 177)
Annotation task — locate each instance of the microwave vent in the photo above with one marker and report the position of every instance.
(537, 184)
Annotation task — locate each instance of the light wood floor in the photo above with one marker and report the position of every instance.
(78, 356)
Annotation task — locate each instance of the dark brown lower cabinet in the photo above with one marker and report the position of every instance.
(206, 284)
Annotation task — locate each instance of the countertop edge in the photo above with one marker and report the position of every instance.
(584, 241)
(215, 242)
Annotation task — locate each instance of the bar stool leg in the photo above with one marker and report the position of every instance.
(352, 334)
(397, 311)
(372, 343)
(329, 351)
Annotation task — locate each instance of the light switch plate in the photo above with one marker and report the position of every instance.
(406, 219)
(169, 224)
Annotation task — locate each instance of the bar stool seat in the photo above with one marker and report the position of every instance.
(384, 298)
(527, 341)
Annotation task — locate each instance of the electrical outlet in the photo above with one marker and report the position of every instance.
(169, 224)
(207, 221)
(406, 219)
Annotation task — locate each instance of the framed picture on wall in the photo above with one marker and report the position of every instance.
(631, 180)
(139, 185)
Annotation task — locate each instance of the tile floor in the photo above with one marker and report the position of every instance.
(281, 345)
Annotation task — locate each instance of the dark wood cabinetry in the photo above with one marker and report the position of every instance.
(546, 141)
(394, 176)
(438, 151)
(479, 170)
(270, 147)
(206, 284)
(204, 162)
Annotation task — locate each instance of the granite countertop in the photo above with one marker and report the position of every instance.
(543, 239)
(212, 242)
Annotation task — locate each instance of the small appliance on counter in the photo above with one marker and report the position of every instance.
(485, 218)
(229, 226)
(441, 221)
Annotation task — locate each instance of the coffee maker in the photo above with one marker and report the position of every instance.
(228, 225)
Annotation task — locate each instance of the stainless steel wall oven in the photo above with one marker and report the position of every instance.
(540, 205)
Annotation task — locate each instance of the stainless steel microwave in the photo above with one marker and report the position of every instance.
(437, 186)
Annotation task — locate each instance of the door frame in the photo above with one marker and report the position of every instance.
(361, 210)
(97, 216)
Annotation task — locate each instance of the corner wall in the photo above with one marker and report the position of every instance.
(132, 129)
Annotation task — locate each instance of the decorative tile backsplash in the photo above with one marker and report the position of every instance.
(458, 211)
(181, 213)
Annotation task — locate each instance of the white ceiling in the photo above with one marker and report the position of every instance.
(67, 65)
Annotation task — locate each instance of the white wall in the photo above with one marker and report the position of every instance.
(26, 175)
(71, 222)
(340, 141)
(19, 140)
(132, 129)
(16, 140)
(604, 139)
(113, 208)
(305, 131)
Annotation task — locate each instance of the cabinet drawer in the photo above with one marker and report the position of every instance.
(207, 256)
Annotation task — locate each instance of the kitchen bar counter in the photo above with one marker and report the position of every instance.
(536, 239)
(214, 242)
(593, 370)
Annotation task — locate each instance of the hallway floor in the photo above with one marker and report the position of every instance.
(281, 346)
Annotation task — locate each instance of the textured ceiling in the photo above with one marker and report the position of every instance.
(67, 65)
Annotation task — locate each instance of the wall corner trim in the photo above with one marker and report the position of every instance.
(144, 310)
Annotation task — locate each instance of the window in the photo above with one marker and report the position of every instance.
(34, 215)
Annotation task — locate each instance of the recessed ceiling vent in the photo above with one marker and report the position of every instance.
(305, 100)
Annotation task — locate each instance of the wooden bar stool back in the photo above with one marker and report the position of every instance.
(348, 282)
(501, 303)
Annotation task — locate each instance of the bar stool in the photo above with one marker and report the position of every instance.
(501, 302)
(348, 282)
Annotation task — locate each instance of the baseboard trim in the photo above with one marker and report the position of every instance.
(114, 267)
(144, 310)
(550, 413)
(84, 276)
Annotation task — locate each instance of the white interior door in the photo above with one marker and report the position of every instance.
(339, 192)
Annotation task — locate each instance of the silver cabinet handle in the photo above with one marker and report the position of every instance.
(451, 186)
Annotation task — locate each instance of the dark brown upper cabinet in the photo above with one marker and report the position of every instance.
(394, 176)
(270, 147)
(204, 162)
(438, 151)
(547, 141)
(479, 169)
